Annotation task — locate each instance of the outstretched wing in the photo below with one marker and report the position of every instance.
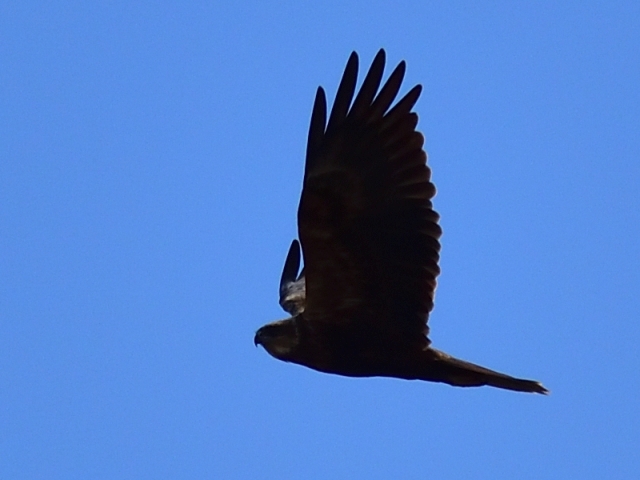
(368, 231)
(292, 285)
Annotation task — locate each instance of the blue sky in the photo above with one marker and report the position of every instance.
(151, 158)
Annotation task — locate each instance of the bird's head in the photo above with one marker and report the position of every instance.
(279, 338)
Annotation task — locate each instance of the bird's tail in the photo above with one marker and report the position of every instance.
(465, 374)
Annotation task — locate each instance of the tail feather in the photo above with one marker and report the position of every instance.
(465, 374)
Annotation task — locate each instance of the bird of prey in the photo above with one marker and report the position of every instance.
(370, 245)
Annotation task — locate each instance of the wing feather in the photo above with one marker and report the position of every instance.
(292, 285)
(316, 128)
(388, 92)
(367, 226)
(345, 94)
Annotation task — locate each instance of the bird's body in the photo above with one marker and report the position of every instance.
(370, 242)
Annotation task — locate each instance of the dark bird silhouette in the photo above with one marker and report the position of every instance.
(369, 238)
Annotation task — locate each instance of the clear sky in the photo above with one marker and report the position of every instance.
(151, 158)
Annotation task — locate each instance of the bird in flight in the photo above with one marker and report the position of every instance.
(370, 245)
